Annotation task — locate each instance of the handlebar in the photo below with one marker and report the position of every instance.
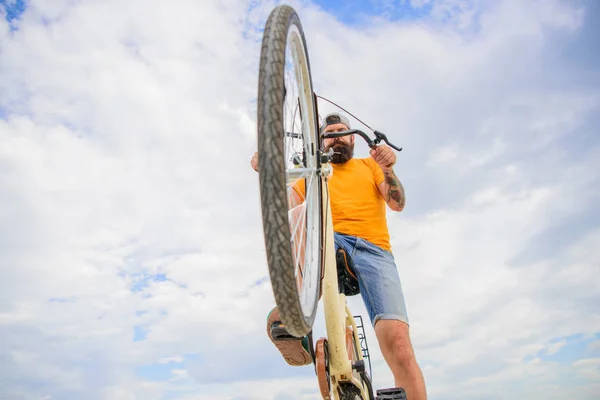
(372, 143)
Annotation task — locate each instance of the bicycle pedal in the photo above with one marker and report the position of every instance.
(278, 332)
(391, 394)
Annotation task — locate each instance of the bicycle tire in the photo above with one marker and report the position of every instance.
(296, 315)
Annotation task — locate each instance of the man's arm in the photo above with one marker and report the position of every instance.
(392, 190)
(295, 193)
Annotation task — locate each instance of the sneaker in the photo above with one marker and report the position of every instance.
(295, 351)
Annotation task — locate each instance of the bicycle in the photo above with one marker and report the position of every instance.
(299, 239)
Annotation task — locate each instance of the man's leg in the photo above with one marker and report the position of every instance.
(395, 345)
(383, 297)
(296, 351)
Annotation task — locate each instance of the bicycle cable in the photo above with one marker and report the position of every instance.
(354, 116)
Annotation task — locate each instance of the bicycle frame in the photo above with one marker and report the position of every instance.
(336, 312)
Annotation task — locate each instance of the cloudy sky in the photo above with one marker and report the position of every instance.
(132, 263)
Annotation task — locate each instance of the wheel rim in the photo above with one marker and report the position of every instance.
(301, 169)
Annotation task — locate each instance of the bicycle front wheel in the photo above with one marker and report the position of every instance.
(288, 157)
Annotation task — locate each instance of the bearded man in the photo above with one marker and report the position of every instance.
(360, 189)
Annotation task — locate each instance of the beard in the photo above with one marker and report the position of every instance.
(342, 152)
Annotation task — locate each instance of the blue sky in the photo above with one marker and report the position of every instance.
(13, 8)
(131, 221)
(575, 348)
(357, 12)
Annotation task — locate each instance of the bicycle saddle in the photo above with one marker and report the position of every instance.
(347, 281)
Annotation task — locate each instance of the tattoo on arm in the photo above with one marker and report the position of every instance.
(395, 190)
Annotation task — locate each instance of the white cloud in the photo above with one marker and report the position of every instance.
(595, 345)
(126, 140)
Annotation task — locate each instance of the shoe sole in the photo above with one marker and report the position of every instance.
(292, 350)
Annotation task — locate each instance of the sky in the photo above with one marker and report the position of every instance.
(132, 262)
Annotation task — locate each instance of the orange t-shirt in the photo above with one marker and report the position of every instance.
(357, 207)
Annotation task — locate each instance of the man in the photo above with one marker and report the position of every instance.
(360, 190)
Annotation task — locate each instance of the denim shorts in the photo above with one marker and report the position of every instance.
(378, 278)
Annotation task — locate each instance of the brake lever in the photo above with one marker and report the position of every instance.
(381, 136)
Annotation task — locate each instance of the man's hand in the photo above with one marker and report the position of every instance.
(384, 156)
(254, 161)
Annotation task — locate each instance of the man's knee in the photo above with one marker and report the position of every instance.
(395, 339)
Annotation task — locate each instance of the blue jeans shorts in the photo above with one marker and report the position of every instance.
(378, 278)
